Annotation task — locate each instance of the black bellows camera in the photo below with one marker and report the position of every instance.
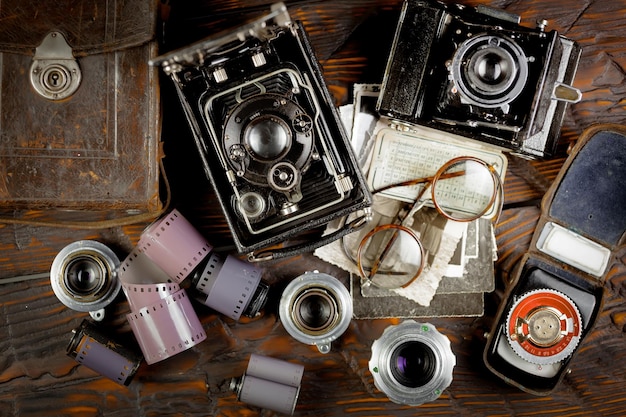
(268, 132)
(477, 73)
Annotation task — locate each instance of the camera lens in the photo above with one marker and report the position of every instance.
(491, 68)
(83, 276)
(316, 309)
(412, 363)
(489, 71)
(267, 137)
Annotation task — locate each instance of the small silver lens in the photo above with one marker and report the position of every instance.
(316, 309)
(83, 276)
(412, 363)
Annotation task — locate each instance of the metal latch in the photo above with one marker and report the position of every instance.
(54, 73)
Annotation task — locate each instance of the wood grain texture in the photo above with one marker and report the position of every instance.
(351, 40)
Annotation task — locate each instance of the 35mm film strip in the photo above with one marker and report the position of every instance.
(228, 285)
(162, 317)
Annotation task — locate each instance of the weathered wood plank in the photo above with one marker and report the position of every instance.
(38, 379)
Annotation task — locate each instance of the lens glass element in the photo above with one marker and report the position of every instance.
(413, 364)
(267, 137)
(465, 190)
(315, 310)
(85, 275)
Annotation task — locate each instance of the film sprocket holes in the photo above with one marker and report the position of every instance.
(316, 308)
(268, 133)
(162, 317)
(84, 277)
(412, 363)
(477, 73)
(226, 284)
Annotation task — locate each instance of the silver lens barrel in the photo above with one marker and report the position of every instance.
(316, 308)
(83, 276)
(412, 363)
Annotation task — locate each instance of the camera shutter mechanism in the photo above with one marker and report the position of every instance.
(55, 73)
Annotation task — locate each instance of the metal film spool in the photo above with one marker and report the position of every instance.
(269, 383)
(319, 288)
(412, 363)
(94, 350)
(84, 277)
(231, 287)
(543, 326)
(162, 317)
(175, 245)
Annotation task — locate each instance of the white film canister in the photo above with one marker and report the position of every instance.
(269, 383)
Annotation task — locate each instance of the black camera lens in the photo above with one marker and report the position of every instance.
(85, 275)
(267, 137)
(491, 67)
(489, 71)
(315, 310)
(413, 364)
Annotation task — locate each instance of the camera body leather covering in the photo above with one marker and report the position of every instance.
(80, 125)
(476, 72)
(268, 133)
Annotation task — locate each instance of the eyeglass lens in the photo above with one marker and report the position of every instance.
(465, 189)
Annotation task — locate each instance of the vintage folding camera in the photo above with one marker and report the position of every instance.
(556, 294)
(477, 73)
(268, 132)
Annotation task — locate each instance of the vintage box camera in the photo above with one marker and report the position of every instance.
(477, 73)
(556, 295)
(267, 131)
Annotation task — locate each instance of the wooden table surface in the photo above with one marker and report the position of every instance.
(350, 39)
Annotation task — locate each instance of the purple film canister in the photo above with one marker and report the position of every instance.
(96, 351)
(231, 286)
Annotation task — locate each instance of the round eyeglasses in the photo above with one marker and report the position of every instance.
(391, 254)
